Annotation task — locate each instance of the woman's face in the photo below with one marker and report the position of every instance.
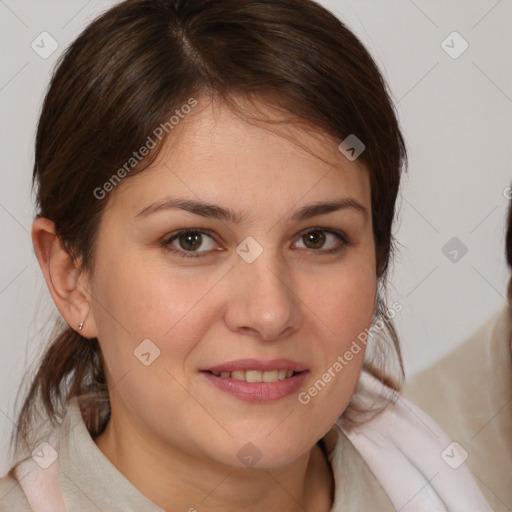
(236, 257)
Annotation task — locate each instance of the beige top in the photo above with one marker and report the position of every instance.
(393, 462)
(90, 482)
(469, 392)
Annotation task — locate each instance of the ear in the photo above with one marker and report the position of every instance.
(69, 289)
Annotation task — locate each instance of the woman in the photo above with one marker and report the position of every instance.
(216, 191)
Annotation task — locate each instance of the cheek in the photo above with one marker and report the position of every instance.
(349, 314)
(136, 301)
(345, 309)
(352, 305)
(347, 299)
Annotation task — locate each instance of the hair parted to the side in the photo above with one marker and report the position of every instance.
(129, 71)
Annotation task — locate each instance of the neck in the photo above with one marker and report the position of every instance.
(175, 480)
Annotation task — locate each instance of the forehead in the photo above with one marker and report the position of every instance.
(215, 154)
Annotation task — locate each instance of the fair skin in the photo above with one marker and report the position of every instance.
(173, 433)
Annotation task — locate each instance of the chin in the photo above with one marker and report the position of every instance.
(262, 454)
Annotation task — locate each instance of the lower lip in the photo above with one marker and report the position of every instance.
(258, 391)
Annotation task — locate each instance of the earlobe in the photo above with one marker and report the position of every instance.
(65, 283)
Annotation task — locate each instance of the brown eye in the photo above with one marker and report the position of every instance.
(314, 239)
(322, 241)
(190, 241)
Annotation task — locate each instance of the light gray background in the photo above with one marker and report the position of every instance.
(456, 117)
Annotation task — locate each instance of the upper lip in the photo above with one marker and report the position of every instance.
(257, 364)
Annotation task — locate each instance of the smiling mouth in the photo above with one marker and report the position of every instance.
(257, 375)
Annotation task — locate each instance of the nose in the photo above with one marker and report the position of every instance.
(262, 302)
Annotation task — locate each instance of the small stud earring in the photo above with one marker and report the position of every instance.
(80, 325)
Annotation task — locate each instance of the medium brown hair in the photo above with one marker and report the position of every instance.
(126, 74)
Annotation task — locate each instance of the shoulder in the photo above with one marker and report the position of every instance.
(412, 457)
(12, 497)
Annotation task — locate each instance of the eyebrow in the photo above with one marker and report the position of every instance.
(205, 209)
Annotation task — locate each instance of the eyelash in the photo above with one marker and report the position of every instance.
(166, 243)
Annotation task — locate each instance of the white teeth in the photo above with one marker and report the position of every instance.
(271, 376)
(238, 375)
(256, 375)
(253, 376)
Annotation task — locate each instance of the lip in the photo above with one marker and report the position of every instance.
(258, 391)
(257, 364)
